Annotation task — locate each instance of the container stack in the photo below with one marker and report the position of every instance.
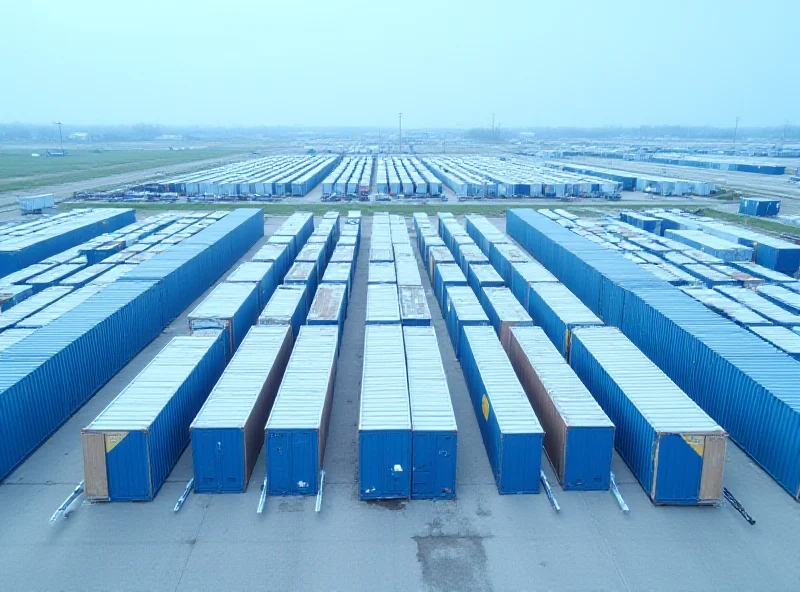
(433, 425)
(131, 447)
(227, 433)
(297, 428)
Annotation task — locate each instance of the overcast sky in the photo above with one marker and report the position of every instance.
(442, 63)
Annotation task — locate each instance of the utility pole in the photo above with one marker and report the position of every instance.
(785, 126)
(400, 135)
(735, 129)
(61, 137)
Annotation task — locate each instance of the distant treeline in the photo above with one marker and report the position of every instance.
(21, 132)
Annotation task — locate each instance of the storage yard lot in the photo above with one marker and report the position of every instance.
(481, 541)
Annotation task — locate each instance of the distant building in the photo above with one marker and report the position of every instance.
(170, 137)
(79, 137)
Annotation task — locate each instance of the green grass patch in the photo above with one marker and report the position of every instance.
(20, 171)
(366, 208)
(751, 221)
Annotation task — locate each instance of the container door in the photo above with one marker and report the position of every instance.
(445, 473)
(204, 458)
(303, 471)
(421, 472)
(679, 469)
(278, 461)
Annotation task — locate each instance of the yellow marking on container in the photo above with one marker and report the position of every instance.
(114, 438)
(698, 443)
(485, 407)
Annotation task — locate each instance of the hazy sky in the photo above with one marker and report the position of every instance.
(442, 63)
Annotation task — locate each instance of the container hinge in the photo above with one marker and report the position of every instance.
(318, 506)
(615, 490)
(184, 495)
(737, 506)
(63, 509)
(263, 500)
(549, 491)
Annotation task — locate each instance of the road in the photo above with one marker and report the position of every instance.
(65, 190)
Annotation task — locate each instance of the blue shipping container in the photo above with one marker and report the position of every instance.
(511, 432)
(132, 446)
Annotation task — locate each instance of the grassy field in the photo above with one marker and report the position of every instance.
(459, 209)
(20, 171)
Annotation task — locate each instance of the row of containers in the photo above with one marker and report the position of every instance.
(743, 382)
(98, 261)
(51, 370)
(407, 433)
(28, 243)
(543, 371)
(762, 300)
(259, 346)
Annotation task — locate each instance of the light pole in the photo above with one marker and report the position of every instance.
(61, 137)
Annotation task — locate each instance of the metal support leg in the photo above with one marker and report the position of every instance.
(62, 509)
(549, 491)
(263, 499)
(615, 490)
(184, 495)
(318, 507)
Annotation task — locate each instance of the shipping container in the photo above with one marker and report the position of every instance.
(53, 276)
(278, 255)
(447, 275)
(382, 273)
(786, 299)
(766, 308)
(462, 308)
(57, 309)
(558, 311)
(579, 436)
(31, 305)
(261, 273)
(502, 256)
(437, 256)
(471, 255)
(12, 336)
(483, 276)
(784, 339)
(407, 271)
(726, 307)
(746, 385)
(227, 433)
(130, 448)
(12, 295)
(303, 273)
(381, 252)
(428, 242)
(511, 432)
(674, 449)
(315, 253)
(414, 309)
(382, 304)
(339, 273)
(384, 425)
(297, 428)
(329, 307)
(707, 243)
(85, 275)
(504, 311)
(231, 308)
(759, 206)
(286, 307)
(434, 434)
(524, 274)
(344, 254)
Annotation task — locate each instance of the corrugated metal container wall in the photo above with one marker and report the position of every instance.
(746, 385)
(433, 423)
(384, 425)
(481, 276)
(278, 255)
(511, 433)
(16, 314)
(228, 431)
(286, 307)
(579, 436)
(339, 273)
(382, 304)
(414, 309)
(438, 256)
(261, 272)
(447, 275)
(381, 273)
(131, 447)
(297, 428)
(462, 309)
(329, 307)
(231, 308)
(47, 362)
(303, 274)
(524, 274)
(503, 256)
(558, 311)
(187, 269)
(675, 450)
